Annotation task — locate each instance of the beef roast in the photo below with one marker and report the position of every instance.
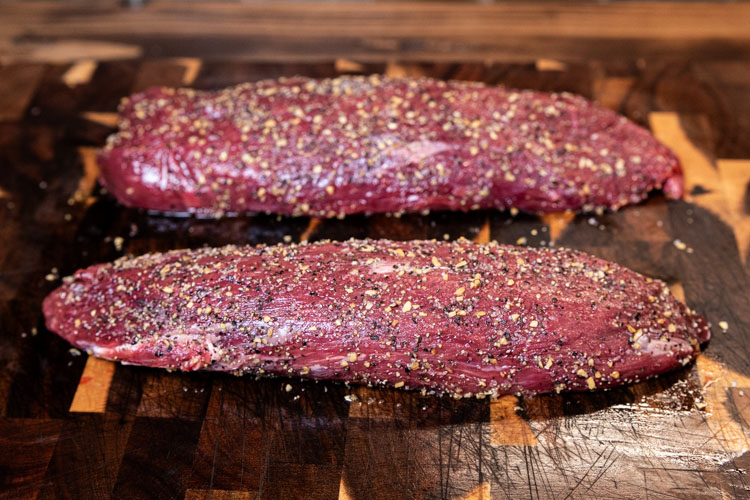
(458, 318)
(374, 144)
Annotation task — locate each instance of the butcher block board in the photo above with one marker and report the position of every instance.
(73, 426)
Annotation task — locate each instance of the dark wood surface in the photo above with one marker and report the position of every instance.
(74, 427)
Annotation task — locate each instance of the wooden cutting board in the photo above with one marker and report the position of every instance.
(78, 427)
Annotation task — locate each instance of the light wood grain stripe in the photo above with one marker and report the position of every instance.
(557, 222)
(79, 73)
(346, 66)
(550, 65)
(678, 291)
(106, 119)
(484, 232)
(310, 230)
(343, 491)
(480, 492)
(93, 387)
(87, 182)
(735, 176)
(403, 70)
(192, 68)
(507, 428)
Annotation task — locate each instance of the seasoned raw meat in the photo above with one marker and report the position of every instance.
(375, 144)
(458, 318)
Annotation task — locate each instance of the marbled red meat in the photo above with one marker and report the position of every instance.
(458, 318)
(375, 144)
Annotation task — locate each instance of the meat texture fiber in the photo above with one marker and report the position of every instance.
(374, 144)
(457, 318)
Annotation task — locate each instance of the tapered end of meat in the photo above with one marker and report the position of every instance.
(148, 177)
(673, 187)
(64, 317)
(117, 176)
(93, 312)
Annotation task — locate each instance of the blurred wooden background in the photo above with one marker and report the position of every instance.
(706, 44)
(370, 31)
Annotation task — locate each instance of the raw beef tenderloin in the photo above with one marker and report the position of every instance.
(458, 318)
(374, 144)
